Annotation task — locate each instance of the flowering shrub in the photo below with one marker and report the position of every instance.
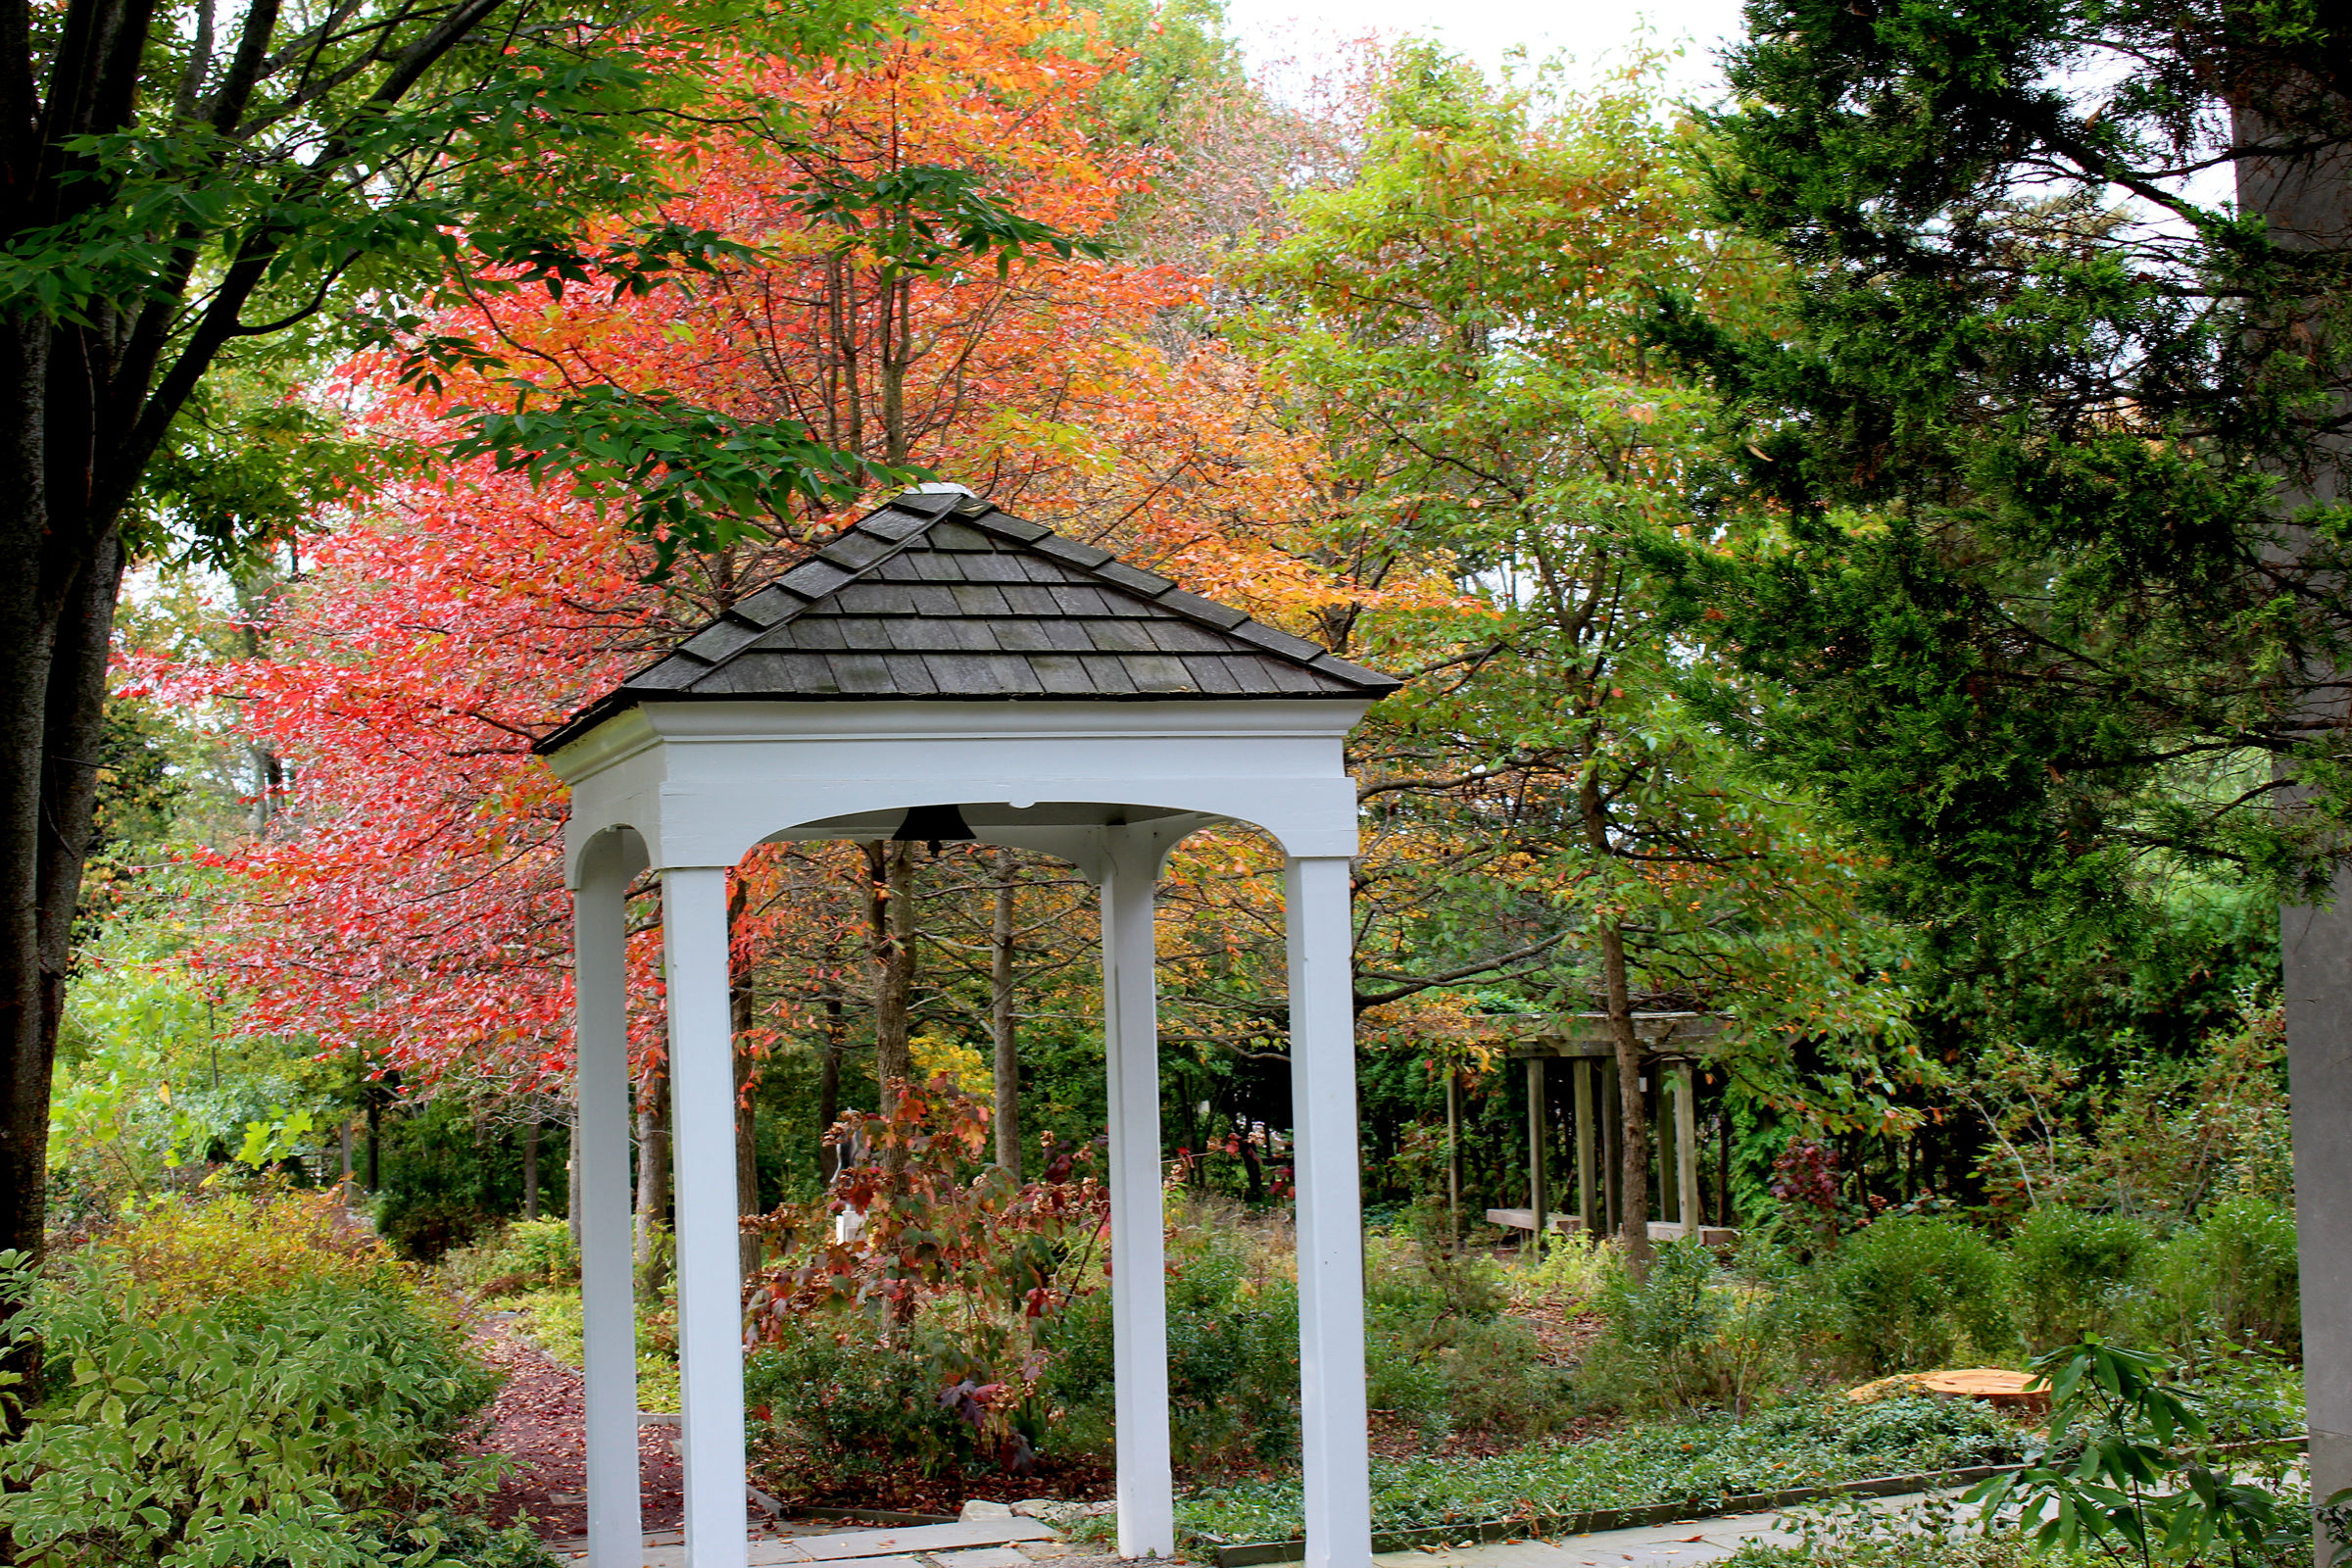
(945, 1259)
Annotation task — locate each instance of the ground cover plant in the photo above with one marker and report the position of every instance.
(1697, 1461)
(247, 1379)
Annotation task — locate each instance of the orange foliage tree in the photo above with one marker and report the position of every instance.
(407, 900)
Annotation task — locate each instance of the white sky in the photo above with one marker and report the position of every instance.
(1486, 29)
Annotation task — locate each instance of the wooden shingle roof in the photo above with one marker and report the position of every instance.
(939, 596)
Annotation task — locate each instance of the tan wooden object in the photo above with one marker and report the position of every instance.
(1996, 1386)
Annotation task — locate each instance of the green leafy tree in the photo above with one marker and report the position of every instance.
(1458, 326)
(2055, 629)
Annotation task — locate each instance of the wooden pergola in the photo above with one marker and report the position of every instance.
(1671, 1042)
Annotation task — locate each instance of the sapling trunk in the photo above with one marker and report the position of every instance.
(1001, 1021)
(891, 930)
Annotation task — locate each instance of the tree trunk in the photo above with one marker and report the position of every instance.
(652, 1173)
(1633, 1120)
(571, 1179)
(743, 1006)
(747, 1135)
(891, 919)
(52, 730)
(1633, 1178)
(28, 617)
(1001, 1020)
(2306, 203)
(828, 1086)
(530, 1168)
(376, 1139)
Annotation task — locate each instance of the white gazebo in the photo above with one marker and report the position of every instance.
(941, 654)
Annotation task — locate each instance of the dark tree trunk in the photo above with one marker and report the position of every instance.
(828, 1086)
(743, 1006)
(1633, 1180)
(890, 871)
(379, 1095)
(653, 1174)
(747, 1130)
(530, 1168)
(1001, 1020)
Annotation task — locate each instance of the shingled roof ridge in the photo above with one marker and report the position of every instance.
(831, 566)
(898, 524)
(1150, 586)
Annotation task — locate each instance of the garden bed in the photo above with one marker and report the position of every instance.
(1683, 1467)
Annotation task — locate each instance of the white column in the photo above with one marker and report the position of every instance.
(701, 1086)
(1331, 1241)
(608, 1310)
(1139, 1305)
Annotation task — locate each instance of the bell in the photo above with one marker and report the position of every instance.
(933, 825)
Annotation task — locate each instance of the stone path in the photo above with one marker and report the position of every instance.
(1020, 1543)
(1010, 1543)
(1691, 1541)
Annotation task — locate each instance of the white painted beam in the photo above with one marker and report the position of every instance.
(1138, 1264)
(1331, 1241)
(701, 1078)
(607, 1310)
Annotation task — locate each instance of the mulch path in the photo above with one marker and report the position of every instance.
(537, 1421)
(1565, 1335)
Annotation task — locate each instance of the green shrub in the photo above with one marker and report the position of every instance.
(1440, 1353)
(2257, 1276)
(1905, 1293)
(1233, 1353)
(309, 1424)
(1693, 1333)
(2072, 1272)
(833, 1401)
(531, 1255)
(426, 1230)
(1899, 1550)
(2235, 1279)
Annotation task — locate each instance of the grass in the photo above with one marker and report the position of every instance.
(551, 1320)
(1697, 1461)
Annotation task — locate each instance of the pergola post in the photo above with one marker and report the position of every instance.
(608, 1348)
(1686, 1147)
(701, 1079)
(1536, 1195)
(1331, 1244)
(1587, 1207)
(1612, 1125)
(1139, 1322)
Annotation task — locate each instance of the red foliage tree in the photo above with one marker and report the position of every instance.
(407, 901)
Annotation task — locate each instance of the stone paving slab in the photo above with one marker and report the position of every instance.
(923, 1538)
(976, 1543)
(1695, 1540)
